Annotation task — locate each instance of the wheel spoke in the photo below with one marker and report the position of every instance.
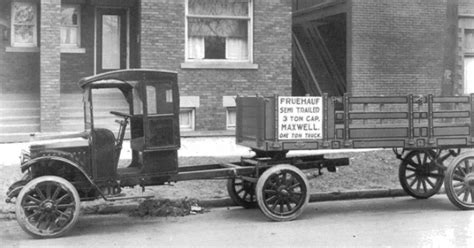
(30, 197)
(56, 193)
(413, 182)
(410, 176)
(271, 199)
(458, 184)
(430, 183)
(424, 186)
(459, 169)
(457, 177)
(425, 158)
(62, 198)
(294, 186)
(239, 191)
(466, 166)
(275, 204)
(460, 191)
(288, 206)
(466, 194)
(435, 175)
(43, 215)
(33, 215)
(412, 163)
(48, 191)
(418, 185)
(61, 213)
(40, 193)
(411, 169)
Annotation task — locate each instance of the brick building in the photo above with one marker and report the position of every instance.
(219, 49)
(380, 47)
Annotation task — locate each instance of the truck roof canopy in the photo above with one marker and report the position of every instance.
(124, 78)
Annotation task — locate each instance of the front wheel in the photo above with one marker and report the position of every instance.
(459, 181)
(282, 192)
(47, 207)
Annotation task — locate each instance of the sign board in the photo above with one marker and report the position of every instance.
(300, 118)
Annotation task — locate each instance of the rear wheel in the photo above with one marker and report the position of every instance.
(47, 207)
(419, 175)
(459, 181)
(242, 192)
(282, 192)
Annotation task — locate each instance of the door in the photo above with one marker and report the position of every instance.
(111, 40)
(161, 117)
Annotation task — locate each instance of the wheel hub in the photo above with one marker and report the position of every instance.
(48, 206)
(469, 180)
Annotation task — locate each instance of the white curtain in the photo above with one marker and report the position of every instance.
(469, 75)
(236, 49)
(196, 47)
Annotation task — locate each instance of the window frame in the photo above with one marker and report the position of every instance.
(221, 63)
(192, 112)
(79, 27)
(14, 44)
(227, 116)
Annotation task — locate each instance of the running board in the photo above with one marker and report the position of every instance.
(128, 198)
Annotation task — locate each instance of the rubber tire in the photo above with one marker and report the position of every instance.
(26, 226)
(448, 182)
(406, 187)
(261, 183)
(236, 197)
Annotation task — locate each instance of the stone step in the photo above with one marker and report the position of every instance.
(19, 111)
(19, 128)
(31, 119)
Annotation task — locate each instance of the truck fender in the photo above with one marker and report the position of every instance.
(68, 162)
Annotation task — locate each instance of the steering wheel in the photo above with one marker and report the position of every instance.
(123, 115)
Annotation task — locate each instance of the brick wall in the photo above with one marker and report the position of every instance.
(162, 46)
(466, 7)
(397, 46)
(50, 65)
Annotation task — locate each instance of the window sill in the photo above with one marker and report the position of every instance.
(219, 65)
(22, 49)
(73, 50)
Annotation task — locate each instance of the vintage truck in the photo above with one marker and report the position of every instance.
(423, 131)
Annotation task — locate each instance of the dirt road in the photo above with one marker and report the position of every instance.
(392, 222)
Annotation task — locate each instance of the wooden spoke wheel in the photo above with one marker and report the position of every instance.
(459, 181)
(47, 207)
(242, 192)
(419, 175)
(282, 192)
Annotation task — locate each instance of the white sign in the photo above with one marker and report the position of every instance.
(300, 118)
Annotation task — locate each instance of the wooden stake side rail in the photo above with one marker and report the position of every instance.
(409, 122)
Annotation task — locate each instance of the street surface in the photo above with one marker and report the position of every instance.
(390, 222)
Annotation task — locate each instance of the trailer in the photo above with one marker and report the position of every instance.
(61, 174)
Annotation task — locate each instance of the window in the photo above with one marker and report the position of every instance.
(231, 114)
(24, 24)
(218, 30)
(186, 119)
(70, 26)
(468, 48)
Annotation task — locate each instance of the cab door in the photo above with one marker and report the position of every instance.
(161, 115)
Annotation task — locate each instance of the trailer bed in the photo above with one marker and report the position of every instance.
(408, 122)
